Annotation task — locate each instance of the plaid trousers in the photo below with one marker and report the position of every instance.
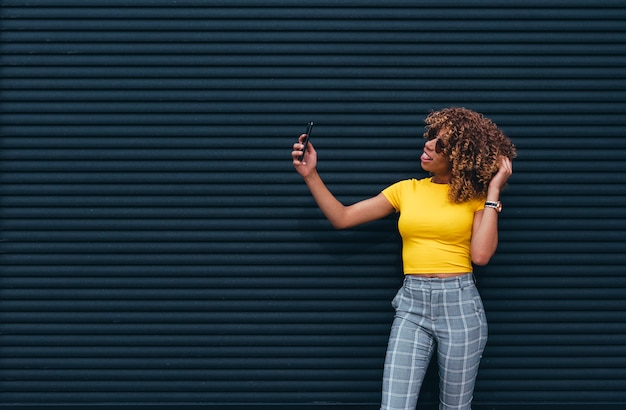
(442, 314)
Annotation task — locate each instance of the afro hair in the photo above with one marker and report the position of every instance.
(474, 146)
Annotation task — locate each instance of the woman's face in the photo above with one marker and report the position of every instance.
(433, 158)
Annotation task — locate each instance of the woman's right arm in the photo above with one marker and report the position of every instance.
(339, 215)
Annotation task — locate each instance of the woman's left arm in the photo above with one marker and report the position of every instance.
(485, 227)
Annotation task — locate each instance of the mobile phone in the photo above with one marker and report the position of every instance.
(306, 139)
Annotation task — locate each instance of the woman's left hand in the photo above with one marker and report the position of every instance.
(505, 170)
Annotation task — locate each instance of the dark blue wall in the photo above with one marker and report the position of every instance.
(157, 247)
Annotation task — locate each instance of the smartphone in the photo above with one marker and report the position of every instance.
(306, 139)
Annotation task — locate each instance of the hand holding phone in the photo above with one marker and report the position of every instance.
(306, 140)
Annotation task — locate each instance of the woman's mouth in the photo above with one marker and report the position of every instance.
(425, 157)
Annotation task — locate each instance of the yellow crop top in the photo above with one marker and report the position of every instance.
(435, 232)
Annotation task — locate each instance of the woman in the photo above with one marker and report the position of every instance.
(447, 222)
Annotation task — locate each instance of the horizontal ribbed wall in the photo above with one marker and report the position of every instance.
(157, 247)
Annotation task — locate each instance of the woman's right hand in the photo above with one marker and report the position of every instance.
(340, 216)
(309, 161)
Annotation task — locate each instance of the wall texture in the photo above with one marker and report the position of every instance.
(157, 248)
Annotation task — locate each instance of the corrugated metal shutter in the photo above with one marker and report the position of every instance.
(158, 249)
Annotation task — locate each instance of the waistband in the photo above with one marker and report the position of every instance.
(440, 283)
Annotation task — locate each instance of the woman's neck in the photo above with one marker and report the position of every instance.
(437, 179)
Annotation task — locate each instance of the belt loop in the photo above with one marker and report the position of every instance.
(467, 280)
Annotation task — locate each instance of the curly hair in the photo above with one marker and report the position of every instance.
(474, 146)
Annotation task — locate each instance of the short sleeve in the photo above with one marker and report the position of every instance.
(393, 194)
(479, 205)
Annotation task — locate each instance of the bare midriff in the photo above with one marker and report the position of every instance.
(438, 275)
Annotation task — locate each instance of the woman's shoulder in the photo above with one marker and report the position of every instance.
(411, 183)
(415, 181)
